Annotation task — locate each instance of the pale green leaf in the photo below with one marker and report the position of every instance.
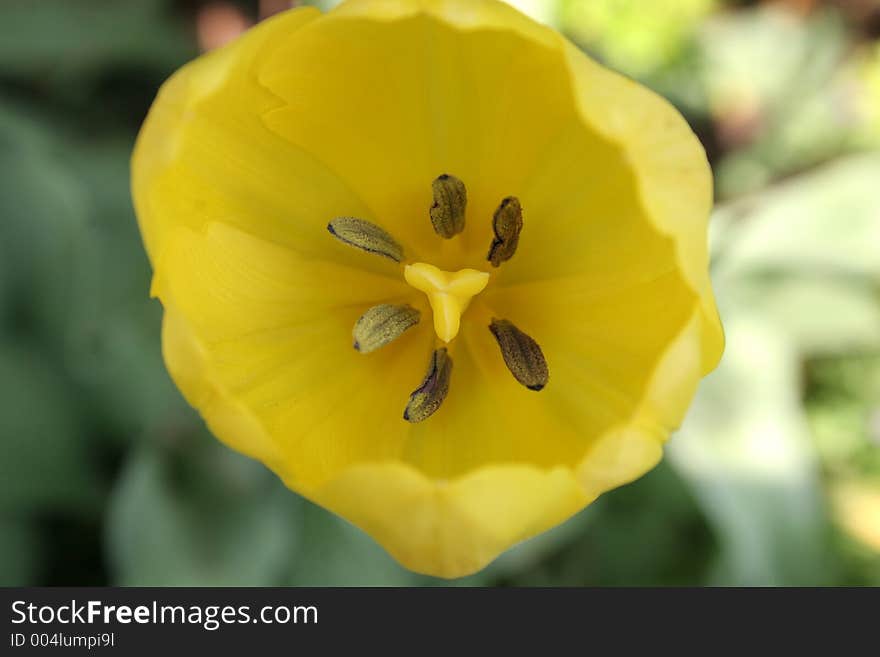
(209, 518)
(745, 450)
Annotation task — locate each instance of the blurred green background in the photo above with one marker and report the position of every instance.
(107, 477)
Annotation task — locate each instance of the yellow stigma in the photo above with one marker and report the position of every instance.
(448, 292)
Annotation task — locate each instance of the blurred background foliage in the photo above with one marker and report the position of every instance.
(107, 477)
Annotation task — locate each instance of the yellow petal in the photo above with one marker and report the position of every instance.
(204, 155)
(229, 420)
(626, 452)
(671, 172)
(599, 162)
(392, 94)
(273, 343)
(490, 418)
(601, 340)
(631, 136)
(452, 528)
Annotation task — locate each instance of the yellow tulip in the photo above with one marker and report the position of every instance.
(543, 310)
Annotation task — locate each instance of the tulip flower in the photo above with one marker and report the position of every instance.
(432, 265)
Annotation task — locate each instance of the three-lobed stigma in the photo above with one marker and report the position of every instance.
(449, 295)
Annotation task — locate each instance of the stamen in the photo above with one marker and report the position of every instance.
(507, 224)
(366, 236)
(427, 398)
(381, 325)
(521, 354)
(450, 201)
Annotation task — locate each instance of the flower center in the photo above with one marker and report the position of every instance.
(449, 293)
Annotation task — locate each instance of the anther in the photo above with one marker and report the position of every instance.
(427, 398)
(450, 201)
(366, 236)
(521, 354)
(381, 325)
(506, 224)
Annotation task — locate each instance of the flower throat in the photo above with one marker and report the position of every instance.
(449, 295)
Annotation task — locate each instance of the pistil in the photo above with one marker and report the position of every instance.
(449, 293)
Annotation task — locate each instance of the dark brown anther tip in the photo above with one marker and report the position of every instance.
(428, 397)
(521, 354)
(507, 224)
(448, 208)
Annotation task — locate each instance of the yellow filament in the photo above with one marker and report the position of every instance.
(449, 293)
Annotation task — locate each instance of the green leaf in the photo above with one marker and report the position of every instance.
(803, 257)
(20, 552)
(529, 556)
(635, 36)
(113, 327)
(825, 222)
(648, 533)
(67, 38)
(769, 57)
(775, 82)
(45, 461)
(44, 214)
(199, 515)
(73, 270)
(335, 553)
(745, 450)
(822, 316)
